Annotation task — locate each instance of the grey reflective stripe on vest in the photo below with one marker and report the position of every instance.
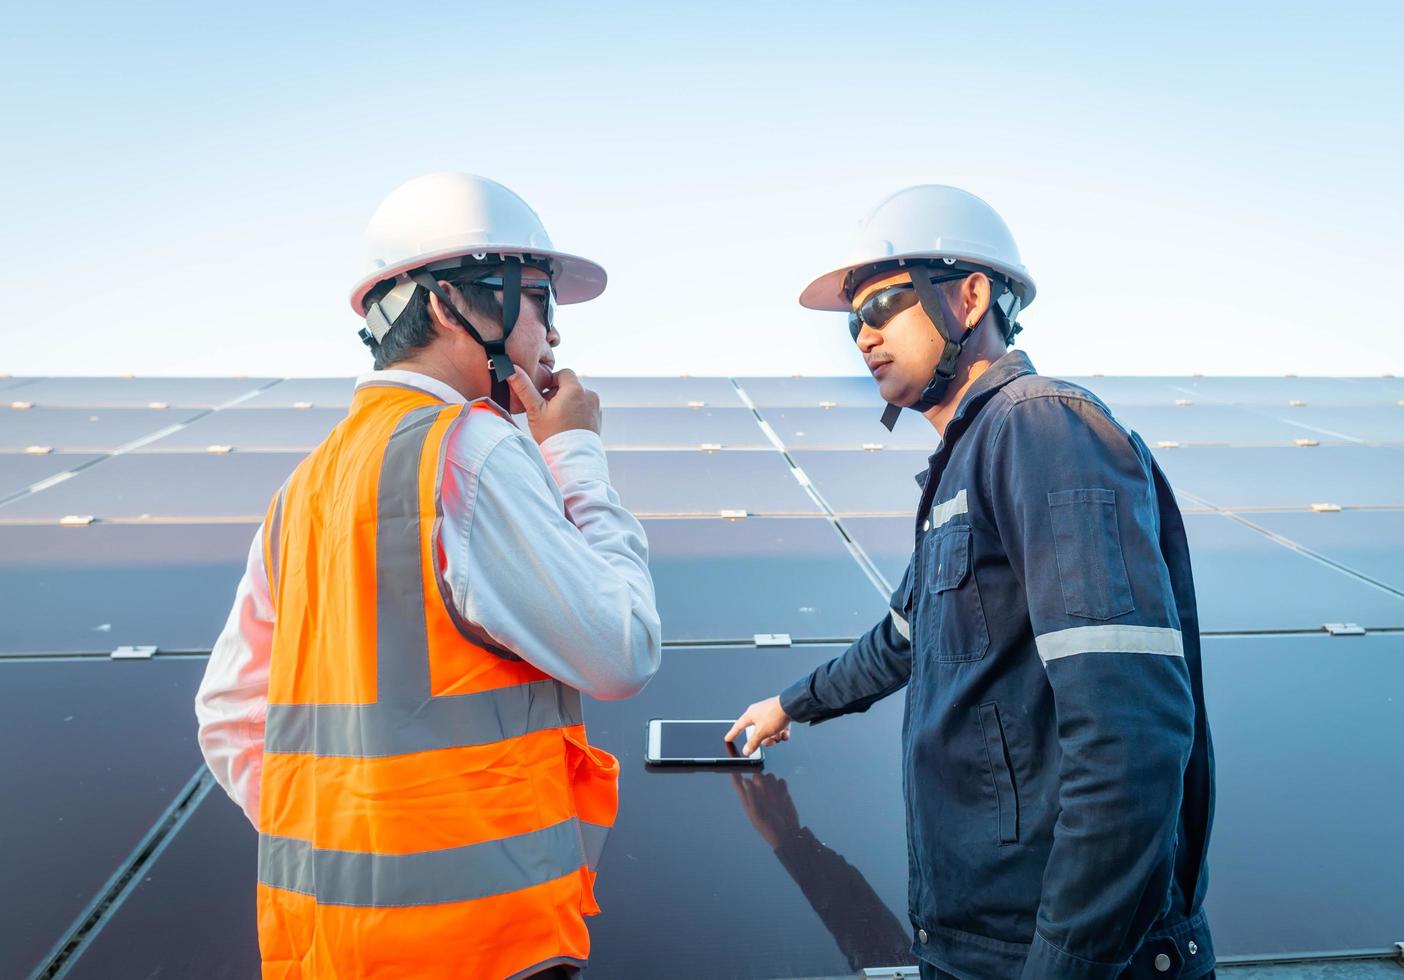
(407, 718)
(455, 874)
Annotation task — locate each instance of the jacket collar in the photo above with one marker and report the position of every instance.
(1010, 365)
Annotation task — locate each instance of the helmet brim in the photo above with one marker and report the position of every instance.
(827, 292)
(574, 279)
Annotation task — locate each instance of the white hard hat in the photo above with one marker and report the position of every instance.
(930, 221)
(444, 216)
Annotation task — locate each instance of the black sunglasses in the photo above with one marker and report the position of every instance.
(879, 309)
(539, 289)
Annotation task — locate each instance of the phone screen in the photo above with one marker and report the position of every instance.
(698, 740)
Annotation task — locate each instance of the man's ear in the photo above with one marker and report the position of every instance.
(442, 319)
(975, 297)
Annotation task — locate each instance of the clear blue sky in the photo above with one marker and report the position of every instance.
(1197, 187)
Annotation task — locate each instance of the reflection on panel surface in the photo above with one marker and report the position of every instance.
(662, 392)
(865, 482)
(292, 392)
(1283, 391)
(729, 580)
(19, 471)
(239, 485)
(1368, 541)
(1306, 848)
(1250, 476)
(1207, 424)
(95, 588)
(1119, 390)
(848, 428)
(694, 482)
(266, 429)
(94, 752)
(682, 428)
(84, 429)
(140, 392)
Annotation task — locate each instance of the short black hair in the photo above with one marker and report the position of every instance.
(414, 329)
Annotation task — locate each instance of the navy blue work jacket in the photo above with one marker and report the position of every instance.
(1058, 773)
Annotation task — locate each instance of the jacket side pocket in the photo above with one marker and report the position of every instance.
(1001, 775)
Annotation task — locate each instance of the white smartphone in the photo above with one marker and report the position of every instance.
(675, 742)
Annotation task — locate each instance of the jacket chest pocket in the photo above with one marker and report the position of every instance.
(953, 621)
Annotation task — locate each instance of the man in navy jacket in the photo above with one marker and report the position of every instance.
(1058, 771)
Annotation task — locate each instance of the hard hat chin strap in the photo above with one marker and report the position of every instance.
(938, 310)
(500, 366)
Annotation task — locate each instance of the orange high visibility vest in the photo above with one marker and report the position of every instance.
(430, 807)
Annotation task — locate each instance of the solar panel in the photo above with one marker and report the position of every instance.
(1207, 424)
(1368, 541)
(18, 471)
(865, 482)
(6, 384)
(673, 482)
(1367, 423)
(249, 429)
(682, 428)
(1249, 477)
(1118, 391)
(686, 841)
(1241, 577)
(887, 541)
(1306, 849)
(812, 392)
(1283, 391)
(296, 392)
(193, 913)
(848, 428)
(84, 429)
(663, 392)
(139, 392)
(95, 752)
(729, 580)
(165, 485)
(93, 589)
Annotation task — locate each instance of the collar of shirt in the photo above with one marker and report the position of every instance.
(412, 379)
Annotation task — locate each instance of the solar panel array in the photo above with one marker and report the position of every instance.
(778, 511)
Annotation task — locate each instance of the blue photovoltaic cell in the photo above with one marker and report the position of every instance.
(1208, 424)
(1306, 849)
(1368, 541)
(84, 429)
(1117, 390)
(8, 384)
(682, 428)
(139, 392)
(253, 429)
(865, 482)
(95, 752)
(663, 392)
(811, 392)
(165, 485)
(887, 541)
(1242, 577)
(677, 482)
(848, 428)
(92, 589)
(318, 392)
(1283, 391)
(20, 470)
(1365, 423)
(1288, 477)
(729, 580)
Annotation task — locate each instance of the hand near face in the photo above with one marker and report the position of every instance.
(566, 405)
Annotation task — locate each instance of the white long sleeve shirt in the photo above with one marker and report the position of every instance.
(537, 550)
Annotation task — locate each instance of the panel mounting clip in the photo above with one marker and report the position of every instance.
(133, 653)
(1344, 629)
(734, 515)
(872, 447)
(772, 639)
(1167, 444)
(76, 520)
(1326, 508)
(1306, 443)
